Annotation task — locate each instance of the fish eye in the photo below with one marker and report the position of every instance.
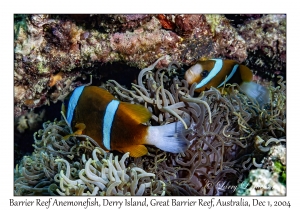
(204, 73)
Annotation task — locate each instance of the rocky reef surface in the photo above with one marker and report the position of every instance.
(56, 53)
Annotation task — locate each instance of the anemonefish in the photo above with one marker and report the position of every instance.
(218, 72)
(117, 125)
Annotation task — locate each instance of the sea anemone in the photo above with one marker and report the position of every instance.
(222, 128)
(229, 135)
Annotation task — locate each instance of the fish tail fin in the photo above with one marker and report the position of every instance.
(168, 137)
(256, 92)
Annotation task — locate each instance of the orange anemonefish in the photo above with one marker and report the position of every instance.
(218, 72)
(117, 125)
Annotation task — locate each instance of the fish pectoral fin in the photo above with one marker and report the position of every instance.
(80, 127)
(135, 150)
(67, 136)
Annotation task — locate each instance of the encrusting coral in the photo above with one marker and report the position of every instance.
(261, 182)
(270, 176)
(266, 44)
(53, 53)
(30, 121)
(225, 128)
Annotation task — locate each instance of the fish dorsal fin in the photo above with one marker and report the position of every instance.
(136, 112)
(135, 150)
(246, 73)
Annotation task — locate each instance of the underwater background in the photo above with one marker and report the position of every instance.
(237, 147)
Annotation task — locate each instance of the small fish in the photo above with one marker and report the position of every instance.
(117, 125)
(218, 72)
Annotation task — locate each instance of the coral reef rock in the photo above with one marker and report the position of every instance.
(261, 182)
(52, 52)
(271, 178)
(265, 39)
